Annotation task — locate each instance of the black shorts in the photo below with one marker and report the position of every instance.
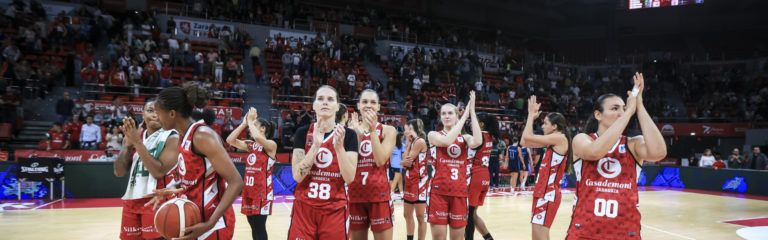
(414, 202)
(392, 172)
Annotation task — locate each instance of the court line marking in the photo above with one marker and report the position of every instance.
(47, 204)
(739, 219)
(670, 233)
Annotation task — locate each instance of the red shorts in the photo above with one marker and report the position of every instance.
(445, 210)
(138, 221)
(376, 214)
(545, 209)
(228, 222)
(311, 223)
(478, 187)
(251, 206)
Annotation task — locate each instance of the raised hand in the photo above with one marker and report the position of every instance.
(317, 136)
(338, 135)
(132, 134)
(353, 122)
(533, 107)
(471, 103)
(252, 115)
(370, 119)
(639, 84)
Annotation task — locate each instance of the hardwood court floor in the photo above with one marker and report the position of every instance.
(667, 214)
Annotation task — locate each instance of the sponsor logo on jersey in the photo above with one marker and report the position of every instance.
(609, 167)
(365, 148)
(251, 159)
(182, 167)
(324, 158)
(622, 148)
(471, 154)
(186, 145)
(454, 151)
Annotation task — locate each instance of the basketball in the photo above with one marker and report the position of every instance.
(175, 215)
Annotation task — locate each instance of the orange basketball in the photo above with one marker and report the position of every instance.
(175, 215)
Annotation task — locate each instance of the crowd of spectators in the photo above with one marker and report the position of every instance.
(712, 158)
(140, 61)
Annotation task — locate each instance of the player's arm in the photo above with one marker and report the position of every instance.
(159, 167)
(232, 138)
(382, 150)
(529, 139)
(301, 161)
(270, 147)
(476, 139)
(588, 149)
(346, 150)
(413, 155)
(650, 146)
(122, 164)
(439, 140)
(209, 144)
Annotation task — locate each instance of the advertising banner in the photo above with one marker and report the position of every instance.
(703, 129)
(190, 28)
(137, 108)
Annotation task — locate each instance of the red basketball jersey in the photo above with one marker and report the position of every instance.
(416, 178)
(323, 187)
(606, 204)
(258, 175)
(481, 157)
(550, 173)
(450, 169)
(201, 184)
(371, 183)
(58, 139)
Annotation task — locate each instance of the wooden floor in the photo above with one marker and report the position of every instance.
(667, 214)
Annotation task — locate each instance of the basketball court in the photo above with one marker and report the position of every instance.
(668, 213)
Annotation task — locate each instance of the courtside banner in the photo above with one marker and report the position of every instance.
(703, 129)
(94, 155)
(201, 29)
(137, 108)
(3, 155)
(67, 155)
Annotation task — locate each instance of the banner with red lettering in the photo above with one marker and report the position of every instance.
(67, 155)
(137, 108)
(703, 129)
(3, 155)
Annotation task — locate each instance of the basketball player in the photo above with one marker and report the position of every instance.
(546, 191)
(324, 160)
(369, 194)
(514, 163)
(206, 175)
(151, 166)
(607, 167)
(257, 194)
(415, 167)
(447, 196)
(525, 162)
(481, 178)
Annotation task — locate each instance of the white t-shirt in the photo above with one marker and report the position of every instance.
(706, 161)
(296, 80)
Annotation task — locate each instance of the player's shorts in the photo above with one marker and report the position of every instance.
(224, 229)
(545, 209)
(478, 186)
(447, 210)
(138, 221)
(514, 165)
(310, 223)
(378, 215)
(253, 206)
